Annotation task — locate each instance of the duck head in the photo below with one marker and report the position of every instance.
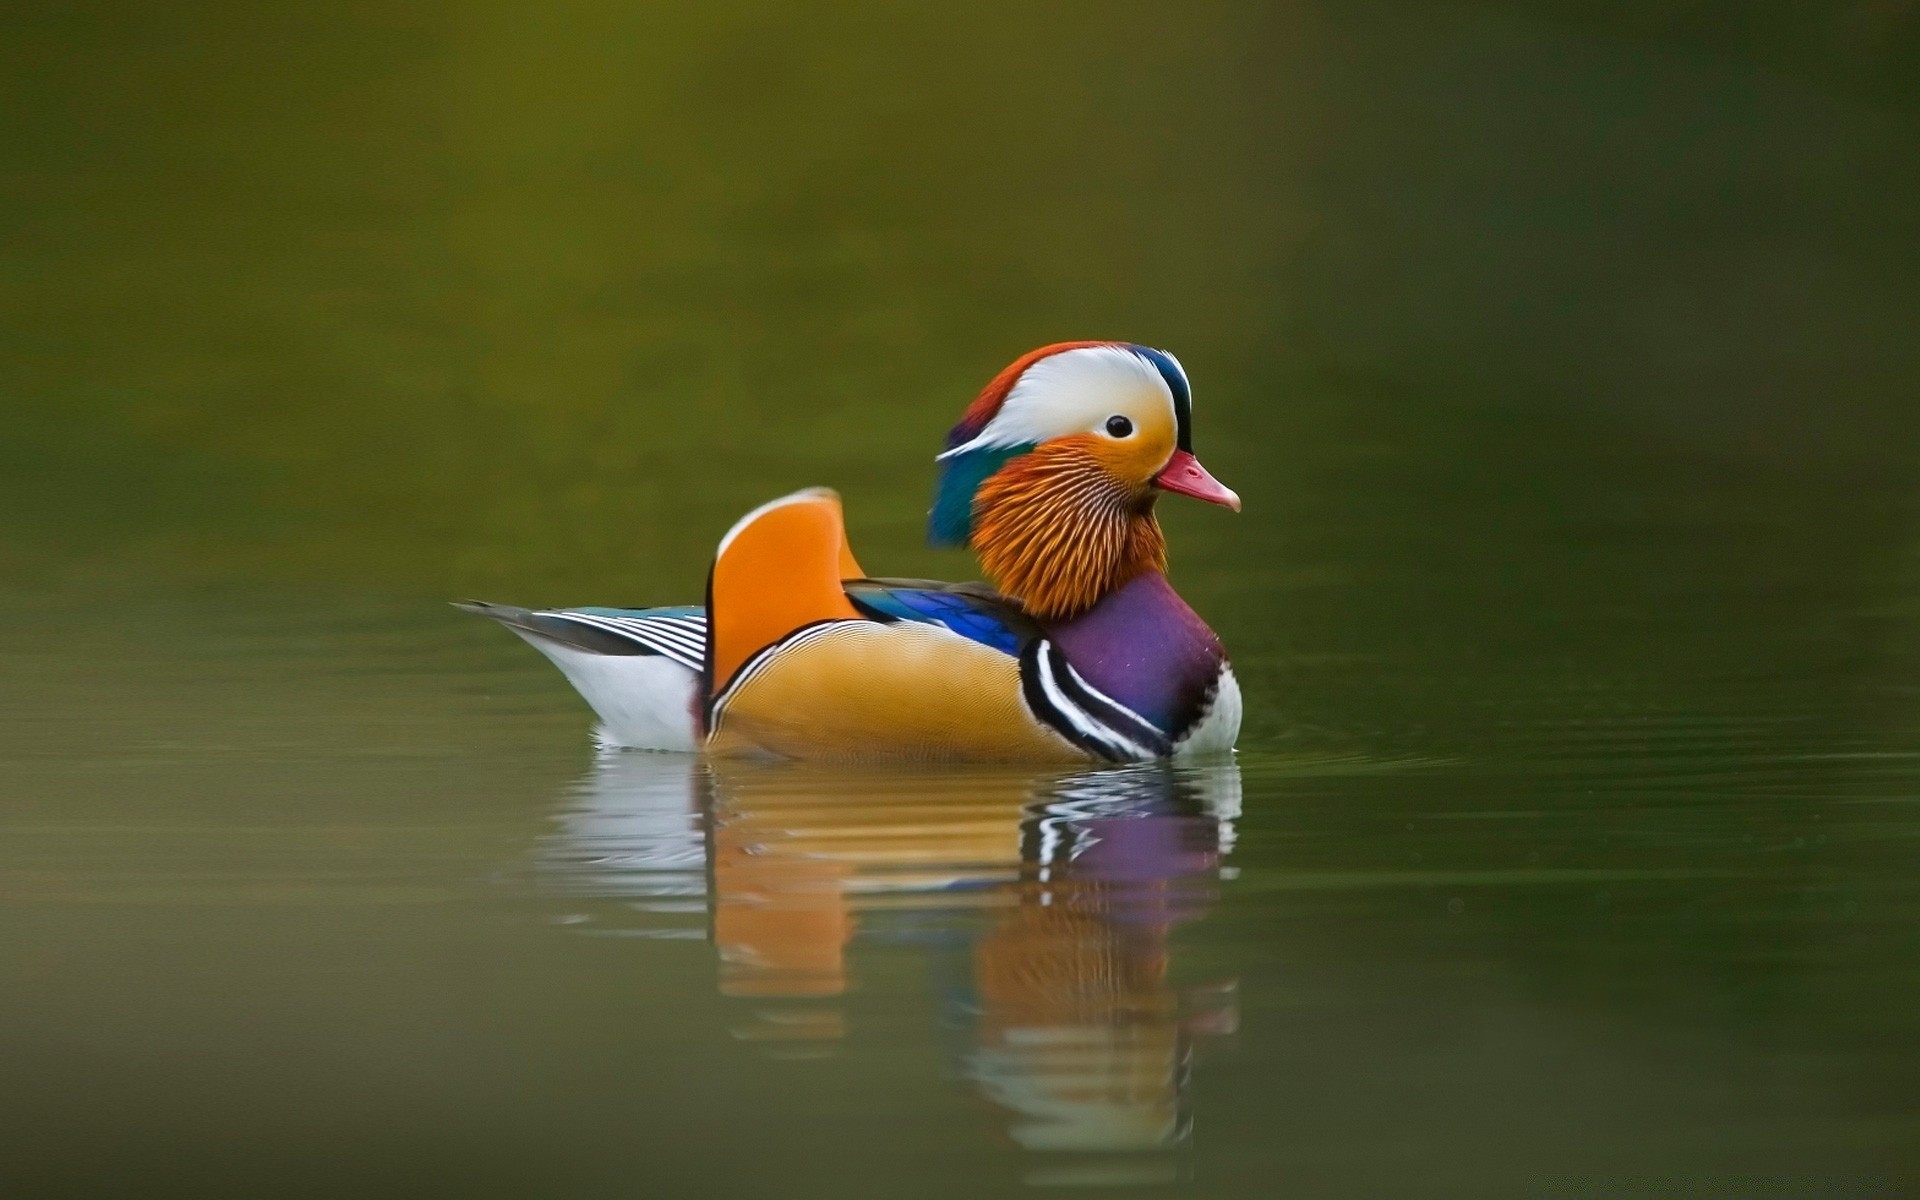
(1052, 474)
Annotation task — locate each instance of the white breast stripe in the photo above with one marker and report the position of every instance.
(1083, 721)
(1080, 682)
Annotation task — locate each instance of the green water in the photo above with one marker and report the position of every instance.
(1567, 357)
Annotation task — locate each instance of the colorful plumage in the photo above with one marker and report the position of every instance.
(1084, 651)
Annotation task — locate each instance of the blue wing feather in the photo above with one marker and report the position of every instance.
(991, 621)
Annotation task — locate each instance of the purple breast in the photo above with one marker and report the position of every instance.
(1144, 647)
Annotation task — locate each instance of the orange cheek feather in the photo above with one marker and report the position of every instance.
(1061, 526)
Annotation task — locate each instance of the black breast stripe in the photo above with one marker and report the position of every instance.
(1114, 716)
(1057, 695)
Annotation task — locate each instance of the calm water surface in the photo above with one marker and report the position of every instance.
(332, 894)
(1566, 355)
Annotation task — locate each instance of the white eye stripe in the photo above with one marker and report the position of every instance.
(1075, 391)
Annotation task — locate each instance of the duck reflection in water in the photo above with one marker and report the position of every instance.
(1046, 902)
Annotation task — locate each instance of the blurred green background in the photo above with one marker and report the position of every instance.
(1567, 355)
(472, 297)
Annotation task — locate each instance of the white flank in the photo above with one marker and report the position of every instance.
(645, 701)
(1219, 727)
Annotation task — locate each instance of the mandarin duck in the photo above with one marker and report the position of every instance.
(1081, 651)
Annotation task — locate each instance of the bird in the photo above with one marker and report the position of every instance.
(1079, 650)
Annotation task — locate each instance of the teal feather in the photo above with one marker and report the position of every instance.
(677, 610)
(951, 521)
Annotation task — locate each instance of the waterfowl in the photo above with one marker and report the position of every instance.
(1081, 650)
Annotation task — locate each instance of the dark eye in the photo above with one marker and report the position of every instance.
(1119, 427)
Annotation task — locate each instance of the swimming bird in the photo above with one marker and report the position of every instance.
(1081, 650)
